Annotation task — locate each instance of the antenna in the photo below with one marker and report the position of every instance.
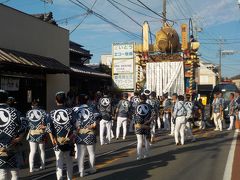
(46, 2)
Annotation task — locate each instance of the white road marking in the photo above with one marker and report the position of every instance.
(229, 165)
(75, 164)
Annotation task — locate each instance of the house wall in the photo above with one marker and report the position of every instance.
(25, 33)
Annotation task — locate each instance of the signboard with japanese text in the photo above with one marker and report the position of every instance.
(123, 50)
(9, 84)
(124, 81)
(184, 30)
(123, 66)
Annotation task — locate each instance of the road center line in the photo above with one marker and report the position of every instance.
(229, 165)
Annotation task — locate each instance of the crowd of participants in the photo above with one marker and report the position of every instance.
(75, 122)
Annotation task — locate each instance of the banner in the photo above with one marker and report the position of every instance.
(165, 77)
(184, 36)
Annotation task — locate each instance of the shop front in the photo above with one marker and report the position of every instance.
(24, 76)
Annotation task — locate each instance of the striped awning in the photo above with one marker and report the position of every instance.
(21, 59)
(88, 71)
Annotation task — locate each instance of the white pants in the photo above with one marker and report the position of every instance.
(121, 122)
(179, 129)
(166, 121)
(81, 155)
(108, 125)
(76, 151)
(33, 149)
(217, 121)
(231, 126)
(153, 129)
(189, 130)
(140, 140)
(159, 122)
(112, 135)
(8, 174)
(172, 127)
(60, 155)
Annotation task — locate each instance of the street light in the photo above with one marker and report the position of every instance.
(224, 53)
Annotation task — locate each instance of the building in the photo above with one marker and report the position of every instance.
(236, 80)
(34, 57)
(85, 79)
(37, 60)
(106, 59)
(205, 78)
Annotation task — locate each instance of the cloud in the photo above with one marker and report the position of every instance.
(218, 12)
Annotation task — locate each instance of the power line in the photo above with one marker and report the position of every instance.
(128, 16)
(172, 8)
(207, 60)
(237, 42)
(79, 23)
(139, 12)
(70, 18)
(121, 29)
(83, 18)
(180, 9)
(148, 8)
(124, 13)
(136, 4)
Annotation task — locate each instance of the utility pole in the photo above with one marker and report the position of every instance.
(164, 13)
(221, 41)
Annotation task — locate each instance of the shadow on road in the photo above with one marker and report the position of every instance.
(139, 169)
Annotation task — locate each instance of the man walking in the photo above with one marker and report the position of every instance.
(86, 134)
(232, 107)
(154, 102)
(37, 122)
(217, 112)
(180, 113)
(166, 111)
(143, 119)
(61, 127)
(12, 131)
(134, 101)
(105, 110)
(189, 106)
(174, 101)
(122, 115)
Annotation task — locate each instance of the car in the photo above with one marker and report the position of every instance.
(226, 88)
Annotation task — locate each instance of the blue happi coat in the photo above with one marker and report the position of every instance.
(86, 116)
(11, 126)
(36, 118)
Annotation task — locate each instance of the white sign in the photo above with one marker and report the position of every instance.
(124, 81)
(9, 84)
(123, 66)
(123, 51)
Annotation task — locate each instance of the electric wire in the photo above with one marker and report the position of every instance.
(121, 29)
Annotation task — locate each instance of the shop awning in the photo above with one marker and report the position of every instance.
(84, 70)
(22, 60)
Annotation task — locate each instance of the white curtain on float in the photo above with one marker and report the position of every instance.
(165, 77)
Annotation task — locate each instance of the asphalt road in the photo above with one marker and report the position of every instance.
(201, 160)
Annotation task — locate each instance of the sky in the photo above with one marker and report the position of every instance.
(219, 21)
